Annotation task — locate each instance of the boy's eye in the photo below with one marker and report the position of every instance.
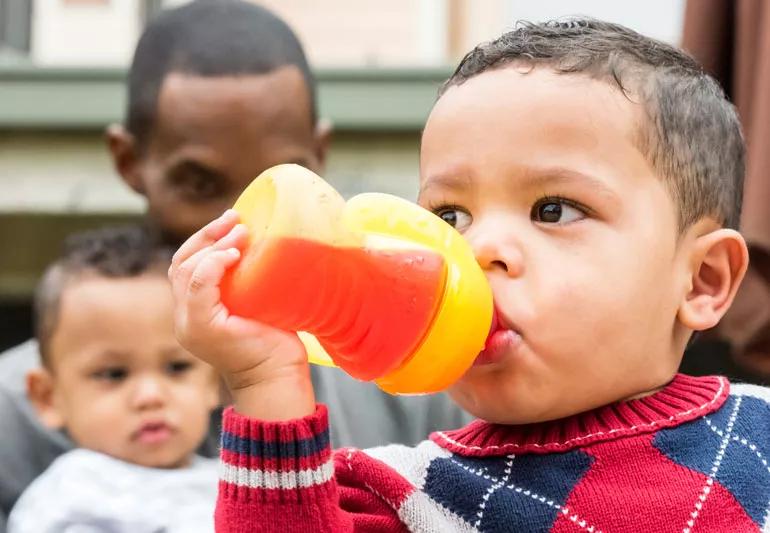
(556, 211)
(112, 374)
(455, 217)
(178, 367)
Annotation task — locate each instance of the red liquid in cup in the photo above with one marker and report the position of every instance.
(370, 309)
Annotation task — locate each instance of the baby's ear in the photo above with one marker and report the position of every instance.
(718, 262)
(40, 391)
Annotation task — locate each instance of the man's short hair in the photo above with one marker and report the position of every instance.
(691, 134)
(112, 252)
(210, 38)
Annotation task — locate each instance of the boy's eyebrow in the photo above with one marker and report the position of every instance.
(534, 178)
(446, 181)
(113, 354)
(171, 352)
(542, 177)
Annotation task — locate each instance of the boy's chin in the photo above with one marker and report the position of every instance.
(499, 411)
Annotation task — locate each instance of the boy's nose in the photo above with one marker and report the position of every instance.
(495, 252)
(148, 393)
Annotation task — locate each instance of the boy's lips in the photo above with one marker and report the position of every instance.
(502, 338)
(153, 432)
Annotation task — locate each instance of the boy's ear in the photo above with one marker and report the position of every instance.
(719, 260)
(40, 391)
(323, 139)
(125, 155)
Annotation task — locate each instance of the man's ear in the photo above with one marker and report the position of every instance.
(125, 156)
(718, 262)
(40, 391)
(323, 138)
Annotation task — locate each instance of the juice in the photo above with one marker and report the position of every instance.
(369, 308)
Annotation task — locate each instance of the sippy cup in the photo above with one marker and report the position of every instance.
(376, 286)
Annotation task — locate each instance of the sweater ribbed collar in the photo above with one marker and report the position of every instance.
(684, 399)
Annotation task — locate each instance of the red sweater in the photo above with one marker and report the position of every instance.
(692, 457)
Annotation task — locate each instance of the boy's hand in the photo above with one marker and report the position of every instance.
(266, 369)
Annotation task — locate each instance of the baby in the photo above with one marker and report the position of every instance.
(114, 377)
(597, 175)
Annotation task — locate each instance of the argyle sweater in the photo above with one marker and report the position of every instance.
(692, 457)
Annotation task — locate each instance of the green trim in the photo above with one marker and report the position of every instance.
(33, 98)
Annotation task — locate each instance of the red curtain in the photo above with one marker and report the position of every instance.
(731, 39)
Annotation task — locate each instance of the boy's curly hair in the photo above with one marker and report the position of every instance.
(691, 136)
(112, 252)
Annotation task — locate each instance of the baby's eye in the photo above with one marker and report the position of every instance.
(176, 368)
(556, 211)
(111, 374)
(455, 217)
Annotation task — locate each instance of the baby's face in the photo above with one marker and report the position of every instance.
(577, 235)
(122, 384)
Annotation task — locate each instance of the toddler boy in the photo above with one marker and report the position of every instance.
(597, 175)
(116, 380)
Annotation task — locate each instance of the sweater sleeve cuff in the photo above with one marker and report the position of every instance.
(268, 460)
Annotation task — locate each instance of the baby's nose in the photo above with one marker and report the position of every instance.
(148, 392)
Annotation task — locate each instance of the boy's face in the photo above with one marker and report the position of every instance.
(577, 235)
(211, 137)
(119, 382)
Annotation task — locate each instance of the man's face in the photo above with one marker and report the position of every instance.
(576, 233)
(212, 136)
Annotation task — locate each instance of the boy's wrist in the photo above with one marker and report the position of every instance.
(275, 399)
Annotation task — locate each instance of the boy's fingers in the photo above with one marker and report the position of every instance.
(181, 274)
(206, 236)
(203, 299)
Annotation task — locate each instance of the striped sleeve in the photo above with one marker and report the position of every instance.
(269, 460)
(279, 476)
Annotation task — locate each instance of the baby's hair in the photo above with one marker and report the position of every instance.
(691, 133)
(112, 252)
(211, 39)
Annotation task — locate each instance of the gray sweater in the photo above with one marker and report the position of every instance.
(361, 415)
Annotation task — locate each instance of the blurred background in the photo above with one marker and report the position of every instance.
(379, 64)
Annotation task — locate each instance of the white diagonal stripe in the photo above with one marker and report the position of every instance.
(421, 513)
(740, 440)
(714, 467)
(261, 479)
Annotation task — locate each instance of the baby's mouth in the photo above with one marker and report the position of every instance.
(153, 432)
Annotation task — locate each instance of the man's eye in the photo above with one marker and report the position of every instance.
(112, 374)
(556, 211)
(455, 217)
(195, 184)
(200, 187)
(178, 367)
